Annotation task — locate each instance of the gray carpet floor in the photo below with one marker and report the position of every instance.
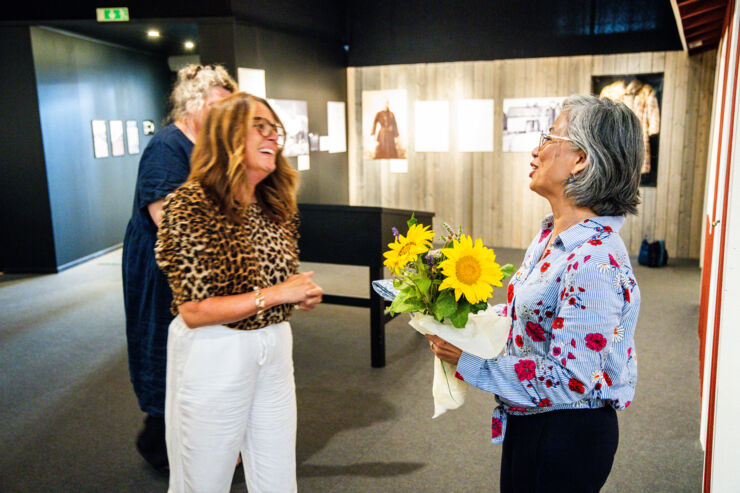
(69, 416)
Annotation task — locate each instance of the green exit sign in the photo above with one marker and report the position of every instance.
(112, 14)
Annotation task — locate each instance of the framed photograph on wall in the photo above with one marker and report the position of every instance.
(132, 136)
(294, 115)
(116, 138)
(525, 119)
(100, 138)
(643, 94)
(384, 124)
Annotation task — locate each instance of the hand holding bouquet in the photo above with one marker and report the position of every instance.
(446, 291)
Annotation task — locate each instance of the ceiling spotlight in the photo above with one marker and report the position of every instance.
(152, 33)
(189, 45)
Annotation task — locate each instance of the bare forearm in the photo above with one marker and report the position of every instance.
(221, 310)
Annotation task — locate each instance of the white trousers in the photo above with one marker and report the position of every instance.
(230, 391)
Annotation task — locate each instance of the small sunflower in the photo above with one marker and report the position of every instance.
(405, 249)
(470, 269)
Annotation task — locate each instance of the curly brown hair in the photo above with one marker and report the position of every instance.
(218, 162)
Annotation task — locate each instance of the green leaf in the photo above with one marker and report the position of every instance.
(508, 270)
(460, 317)
(481, 305)
(445, 305)
(412, 221)
(406, 302)
(424, 285)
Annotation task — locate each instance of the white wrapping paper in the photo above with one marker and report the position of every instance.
(484, 335)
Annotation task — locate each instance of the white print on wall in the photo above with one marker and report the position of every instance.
(252, 81)
(337, 126)
(432, 126)
(132, 136)
(100, 138)
(294, 116)
(474, 125)
(525, 119)
(116, 138)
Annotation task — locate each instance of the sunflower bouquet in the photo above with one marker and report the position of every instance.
(450, 283)
(446, 291)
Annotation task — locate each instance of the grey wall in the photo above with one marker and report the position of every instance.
(80, 80)
(296, 67)
(26, 240)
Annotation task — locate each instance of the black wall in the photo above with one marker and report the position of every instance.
(26, 239)
(426, 31)
(296, 67)
(80, 80)
(61, 204)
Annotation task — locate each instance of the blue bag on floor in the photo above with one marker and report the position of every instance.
(653, 254)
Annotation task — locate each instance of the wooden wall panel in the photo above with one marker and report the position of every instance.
(488, 192)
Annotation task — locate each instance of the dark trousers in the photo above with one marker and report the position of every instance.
(559, 451)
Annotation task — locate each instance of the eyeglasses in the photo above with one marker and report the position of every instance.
(546, 137)
(266, 129)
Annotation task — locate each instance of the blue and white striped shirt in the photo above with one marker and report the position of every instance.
(574, 313)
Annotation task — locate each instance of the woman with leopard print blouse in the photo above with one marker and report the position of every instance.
(228, 245)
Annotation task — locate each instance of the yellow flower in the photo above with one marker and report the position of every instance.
(405, 249)
(470, 270)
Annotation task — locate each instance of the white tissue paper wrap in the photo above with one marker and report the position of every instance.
(484, 335)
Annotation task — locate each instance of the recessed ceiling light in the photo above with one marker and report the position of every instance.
(152, 33)
(189, 45)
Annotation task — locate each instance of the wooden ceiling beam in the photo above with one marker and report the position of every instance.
(718, 15)
(703, 9)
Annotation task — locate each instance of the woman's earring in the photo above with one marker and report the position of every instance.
(570, 179)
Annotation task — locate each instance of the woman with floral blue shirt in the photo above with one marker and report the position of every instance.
(570, 361)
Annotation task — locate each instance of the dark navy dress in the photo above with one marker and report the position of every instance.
(164, 166)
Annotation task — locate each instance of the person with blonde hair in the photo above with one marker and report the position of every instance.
(164, 165)
(228, 245)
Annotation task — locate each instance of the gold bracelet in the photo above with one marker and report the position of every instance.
(259, 300)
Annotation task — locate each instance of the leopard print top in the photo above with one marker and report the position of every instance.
(204, 254)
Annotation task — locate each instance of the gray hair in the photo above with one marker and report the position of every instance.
(192, 86)
(611, 136)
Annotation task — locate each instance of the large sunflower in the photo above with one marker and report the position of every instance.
(405, 249)
(470, 270)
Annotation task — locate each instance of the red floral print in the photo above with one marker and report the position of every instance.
(544, 403)
(595, 342)
(496, 427)
(535, 331)
(557, 323)
(607, 379)
(556, 351)
(544, 234)
(595, 242)
(510, 293)
(519, 341)
(576, 386)
(459, 377)
(525, 369)
(545, 266)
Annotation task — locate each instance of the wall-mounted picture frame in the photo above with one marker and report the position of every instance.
(117, 147)
(525, 119)
(643, 93)
(132, 136)
(294, 116)
(384, 124)
(100, 138)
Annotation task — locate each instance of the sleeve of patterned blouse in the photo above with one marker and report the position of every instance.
(587, 349)
(179, 251)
